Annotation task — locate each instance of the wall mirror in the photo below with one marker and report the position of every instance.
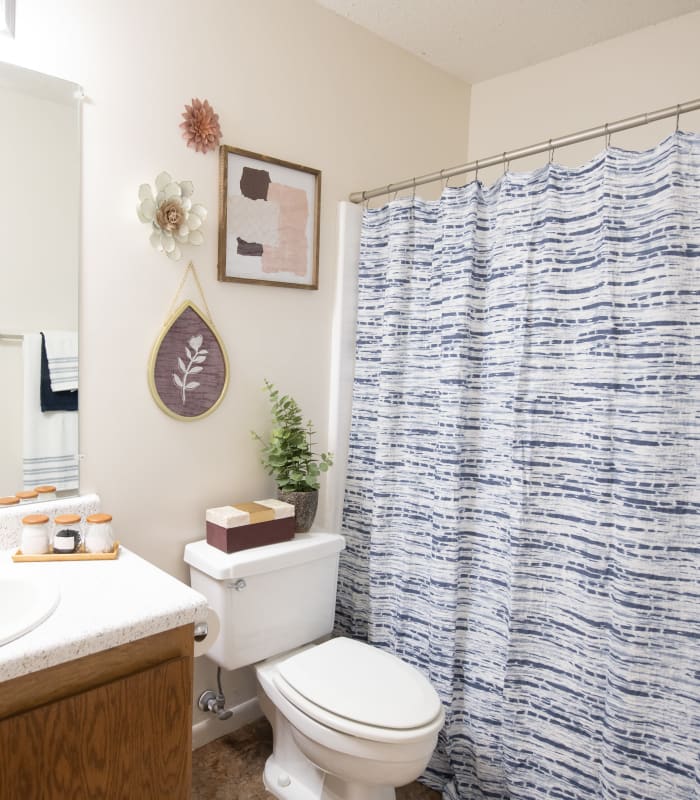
(39, 268)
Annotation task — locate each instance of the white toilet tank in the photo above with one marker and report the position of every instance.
(268, 599)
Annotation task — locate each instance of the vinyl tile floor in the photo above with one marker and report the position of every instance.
(230, 768)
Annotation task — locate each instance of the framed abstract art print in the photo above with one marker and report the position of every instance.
(268, 220)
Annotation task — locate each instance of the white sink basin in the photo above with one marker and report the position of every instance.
(24, 604)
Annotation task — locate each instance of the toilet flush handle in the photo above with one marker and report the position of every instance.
(238, 585)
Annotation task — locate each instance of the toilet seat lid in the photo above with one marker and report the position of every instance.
(362, 684)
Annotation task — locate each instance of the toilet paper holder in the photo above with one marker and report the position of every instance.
(205, 633)
(201, 629)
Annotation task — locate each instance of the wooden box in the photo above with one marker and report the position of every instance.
(247, 525)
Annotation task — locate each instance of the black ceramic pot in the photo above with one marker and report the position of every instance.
(305, 505)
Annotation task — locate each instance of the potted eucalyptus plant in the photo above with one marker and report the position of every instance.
(289, 457)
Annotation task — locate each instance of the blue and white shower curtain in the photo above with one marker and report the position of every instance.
(521, 505)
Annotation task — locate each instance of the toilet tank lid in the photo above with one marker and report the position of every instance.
(268, 558)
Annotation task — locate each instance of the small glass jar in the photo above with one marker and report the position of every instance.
(30, 496)
(35, 534)
(98, 534)
(6, 502)
(45, 492)
(66, 533)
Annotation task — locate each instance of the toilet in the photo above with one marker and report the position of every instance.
(349, 721)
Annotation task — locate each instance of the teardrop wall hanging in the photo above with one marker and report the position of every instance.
(188, 371)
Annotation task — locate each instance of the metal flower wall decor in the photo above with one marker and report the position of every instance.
(175, 220)
(201, 127)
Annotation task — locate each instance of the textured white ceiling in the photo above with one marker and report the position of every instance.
(480, 39)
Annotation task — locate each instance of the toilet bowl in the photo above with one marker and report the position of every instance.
(349, 721)
(362, 720)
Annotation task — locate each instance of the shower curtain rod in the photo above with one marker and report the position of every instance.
(542, 147)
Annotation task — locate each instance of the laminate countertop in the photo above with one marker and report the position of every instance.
(103, 604)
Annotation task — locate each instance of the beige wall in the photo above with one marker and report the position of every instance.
(652, 68)
(288, 79)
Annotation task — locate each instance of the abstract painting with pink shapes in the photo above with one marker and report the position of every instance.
(269, 213)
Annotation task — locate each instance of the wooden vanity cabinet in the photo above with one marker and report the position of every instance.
(115, 725)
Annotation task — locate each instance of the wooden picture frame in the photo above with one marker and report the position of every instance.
(269, 212)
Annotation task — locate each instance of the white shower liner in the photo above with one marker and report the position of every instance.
(342, 356)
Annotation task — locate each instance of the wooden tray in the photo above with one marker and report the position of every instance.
(81, 555)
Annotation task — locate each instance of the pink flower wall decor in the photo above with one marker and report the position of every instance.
(200, 128)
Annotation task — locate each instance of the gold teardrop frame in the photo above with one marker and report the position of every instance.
(156, 349)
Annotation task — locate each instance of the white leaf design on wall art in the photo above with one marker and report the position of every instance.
(194, 356)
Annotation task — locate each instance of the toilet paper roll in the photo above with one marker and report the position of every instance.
(201, 648)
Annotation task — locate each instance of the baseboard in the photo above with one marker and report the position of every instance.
(210, 729)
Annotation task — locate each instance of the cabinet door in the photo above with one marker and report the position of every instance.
(127, 740)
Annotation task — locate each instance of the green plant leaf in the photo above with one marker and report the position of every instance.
(288, 454)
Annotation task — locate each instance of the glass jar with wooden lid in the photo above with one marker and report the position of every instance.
(35, 534)
(98, 534)
(9, 501)
(46, 492)
(28, 496)
(66, 533)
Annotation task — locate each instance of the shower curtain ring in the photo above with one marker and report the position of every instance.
(414, 189)
(678, 117)
(506, 164)
(607, 136)
(551, 152)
